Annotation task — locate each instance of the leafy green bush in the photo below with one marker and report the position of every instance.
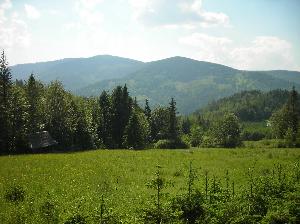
(15, 194)
(49, 212)
(76, 219)
(190, 207)
(265, 143)
(252, 136)
(170, 144)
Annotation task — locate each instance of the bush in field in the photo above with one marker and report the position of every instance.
(189, 207)
(105, 215)
(224, 133)
(49, 213)
(252, 136)
(76, 219)
(158, 212)
(171, 144)
(15, 194)
(196, 136)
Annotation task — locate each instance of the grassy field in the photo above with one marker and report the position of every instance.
(75, 181)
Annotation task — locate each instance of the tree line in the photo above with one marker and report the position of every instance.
(274, 115)
(112, 120)
(115, 119)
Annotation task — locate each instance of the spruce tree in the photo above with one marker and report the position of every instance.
(104, 129)
(133, 135)
(82, 137)
(292, 107)
(5, 93)
(147, 110)
(19, 119)
(117, 117)
(127, 107)
(59, 114)
(33, 90)
(173, 129)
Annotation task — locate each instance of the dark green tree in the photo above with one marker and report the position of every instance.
(186, 125)
(104, 129)
(60, 121)
(293, 111)
(225, 132)
(117, 119)
(121, 104)
(279, 122)
(127, 105)
(286, 118)
(82, 137)
(147, 110)
(5, 94)
(173, 127)
(34, 92)
(135, 135)
(19, 119)
(160, 123)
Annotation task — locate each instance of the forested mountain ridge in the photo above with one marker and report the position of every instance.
(192, 83)
(253, 106)
(76, 73)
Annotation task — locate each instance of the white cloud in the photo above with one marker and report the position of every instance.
(89, 4)
(176, 13)
(88, 15)
(263, 53)
(31, 12)
(13, 31)
(208, 48)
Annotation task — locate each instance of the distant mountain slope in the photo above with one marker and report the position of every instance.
(250, 105)
(193, 83)
(77, 73)
(290, 76)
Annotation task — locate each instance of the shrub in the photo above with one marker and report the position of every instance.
(49, 213)
(252, 136)
(170, 144)
(158, 212)
(15, 194)
(190, 207)
(277, 217)
(76, 219)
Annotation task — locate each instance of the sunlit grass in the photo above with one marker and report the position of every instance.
(79, 179)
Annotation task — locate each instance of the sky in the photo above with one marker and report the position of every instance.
(248, 35)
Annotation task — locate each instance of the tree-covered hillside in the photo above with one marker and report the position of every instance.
(251, 105)
(77, 73)
(193, 83)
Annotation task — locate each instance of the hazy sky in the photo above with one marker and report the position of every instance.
(245, 34)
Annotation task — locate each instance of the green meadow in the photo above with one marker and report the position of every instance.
(78, 182)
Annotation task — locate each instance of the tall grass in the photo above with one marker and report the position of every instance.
(109, 186)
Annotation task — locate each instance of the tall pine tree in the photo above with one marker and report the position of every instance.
(5, 93)
(19, 120)
(173, 128)
(133, 135)
(117, 113)
(104, 129)
(34, 91)
(147, 112)
(292, 107)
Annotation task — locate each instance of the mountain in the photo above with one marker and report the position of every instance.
(251, 106)
(76, 73)
(193, 83)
